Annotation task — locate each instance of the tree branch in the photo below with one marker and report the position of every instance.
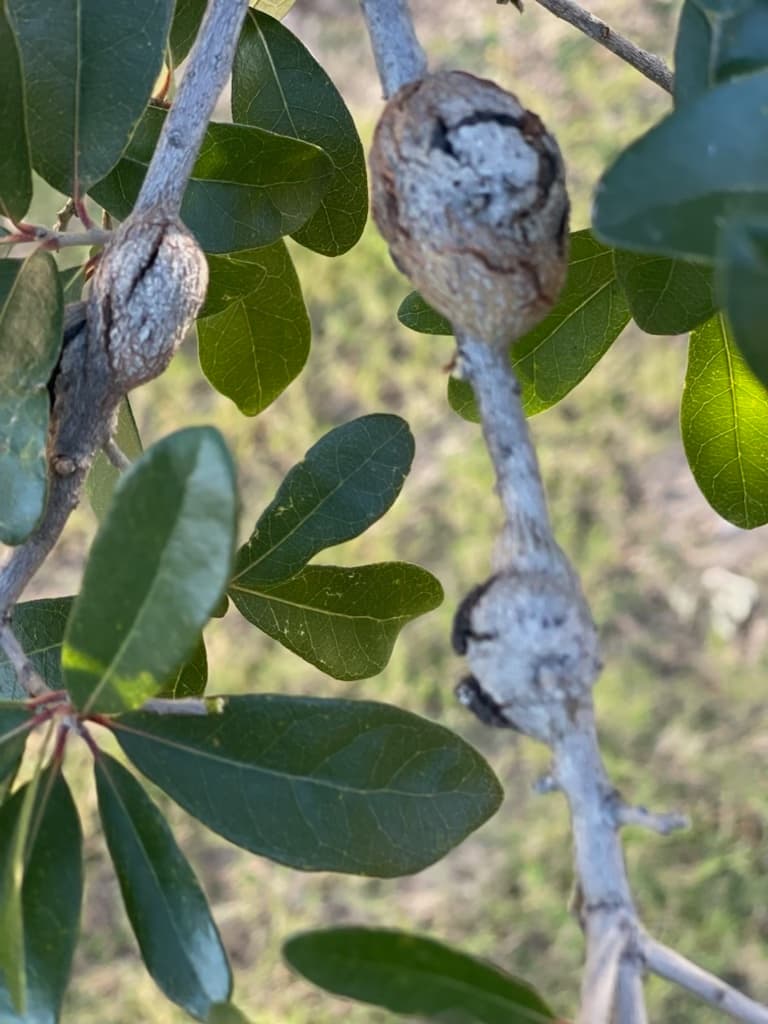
(646, 63)
(398, 53)
(29, 678)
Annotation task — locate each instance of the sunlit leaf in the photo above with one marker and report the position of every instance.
(248, 187)
(414, 975)
(30, 341)
(742, 279)
(89, 68)
(320, 785)
(15, 160)
(665, 296)
(254, 332)
(179, 942)
(278, 85)
(344, 621)
(157, 568)
(723, 416)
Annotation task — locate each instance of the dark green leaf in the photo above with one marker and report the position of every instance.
(30, 341)
(254, 333)
(344, 621)
(72, 281)
(15, 160)
(157, 568)
(9, 271)
(742, 281)
(187, 15)
(191, 678)
(278, 85)
(39, 628)
(346, 482)
(416, 313)
(50, 898)
(668, 191)
(318, 784)
(89, 68)
(723, 415)
(103, 477)
(247, 189)
(168, 911)
(716, 40)
(557, 354)
(665, 296)
(15, 722)
(413, 975)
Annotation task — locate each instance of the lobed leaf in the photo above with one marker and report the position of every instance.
(89, 69)
(15, 160)
(30, 341)
(156, 570)
(665, 296)
(320, 785)
(51, 894)
(347, 481)
(556, 355)
(414, 975)
(723, 415)
(254, 332)
(344, 621)
(742, 281)
(178, 939)
(278, 85)
(248, 187)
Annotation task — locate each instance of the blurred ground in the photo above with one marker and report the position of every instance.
(682, 706)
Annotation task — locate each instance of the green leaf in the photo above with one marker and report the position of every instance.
(191, 678)
(15, 160)
(39, 627)
(716, 40)
(413, 975)
(50, 898)
(89, 69)
(665, 296)
(723, 415)
(416, 313)
(30, 341)
(344, 621)
(15, 723)
(187, 15)
(345, 483)
(248, 187)
(179, 942)
(278, 85)
(556, 355)
(103, 477)
(320, 785)
(254, 332)
(226, 1013)
(9, 271)
(72, 282)
(668, 191)
(157, 568)
(742, 280)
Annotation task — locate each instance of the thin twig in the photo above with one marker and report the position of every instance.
(50, 238)
(646, 63)
(676, 968)
(116, 455)
(64, 215)
(662, 822)
(27, 675)
(398, 53)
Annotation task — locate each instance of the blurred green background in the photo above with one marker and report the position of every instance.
(684, 720)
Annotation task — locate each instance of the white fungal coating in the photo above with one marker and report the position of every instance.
(469, 191)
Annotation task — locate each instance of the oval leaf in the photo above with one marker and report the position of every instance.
(413, 975)
(344, 621)
(39, 627)
(103, 477)
(187, 15)
(554, 357)
(646, 202)
(191, 678)
(89, 69)
(742, 279)
(254, 332)
(30, 341)
(156, 570)
(320, 785)
(15, 723)
(346, 482)
(665, 296)
(278, 85)
(723, 414)
(415, 313)
(179, 942)
(248, 187)
(15, 161)
(50, 898)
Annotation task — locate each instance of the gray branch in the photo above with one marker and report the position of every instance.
(398, 53)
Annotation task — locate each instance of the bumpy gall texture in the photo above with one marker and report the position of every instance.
(469, 192)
